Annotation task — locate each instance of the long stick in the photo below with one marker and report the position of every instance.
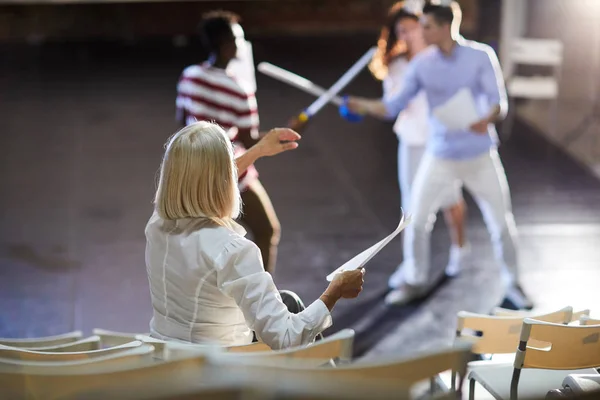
(337, 86)
(295, 80)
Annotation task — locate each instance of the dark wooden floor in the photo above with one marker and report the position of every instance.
(82, 133)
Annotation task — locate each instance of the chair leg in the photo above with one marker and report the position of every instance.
(471, 389)
(453, 381)
(509, 121)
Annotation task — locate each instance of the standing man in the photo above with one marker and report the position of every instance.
(469, 156)
(209, 92)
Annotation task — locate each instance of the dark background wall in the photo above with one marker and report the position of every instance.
(20, 20)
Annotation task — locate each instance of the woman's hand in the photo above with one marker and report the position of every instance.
(346, 285)
(277, 141)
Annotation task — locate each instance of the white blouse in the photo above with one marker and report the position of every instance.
(208, 284)
(412, 125)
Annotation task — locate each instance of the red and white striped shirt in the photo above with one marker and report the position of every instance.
(207, 93)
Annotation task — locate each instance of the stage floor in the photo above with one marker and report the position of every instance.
(82, 133)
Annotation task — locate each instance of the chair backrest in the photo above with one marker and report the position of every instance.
(503, 312)
(249, 348)
(112, 338)
(587, 320)
(337, 347)
(116, 376)
(87, 344)
(543, 52)
(43, 341)
(564, 346)
(500, 335)
(401, 371)
(14, 353)
(132, 357)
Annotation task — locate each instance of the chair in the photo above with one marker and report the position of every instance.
(127, 372)
(112, 338)
(14, 353)
(257, 347)
(336, 348)
(546, 354)
(586, 320)
(499, 335)
(87, 344)
(403, 372)
(535, 52)
(503, 312)
(43, 341)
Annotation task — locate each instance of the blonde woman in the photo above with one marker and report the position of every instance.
(207, 281)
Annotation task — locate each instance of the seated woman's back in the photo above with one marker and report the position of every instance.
(182, 258)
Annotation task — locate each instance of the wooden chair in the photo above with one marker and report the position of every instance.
(258, 347)
(503, 312)
(43, 341)
(403, 372)
(14, 353)
(586, 320)
(110, 338)
(124, 373)
(87, 344)
(334, 349)
(546, 354)
(499, 335)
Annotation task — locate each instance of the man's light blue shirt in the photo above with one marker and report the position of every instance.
(471, 65)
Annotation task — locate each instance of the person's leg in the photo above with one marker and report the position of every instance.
(433, 177)
(409, 159)
(260, 218)
(454, 216)
(454, 213)
(485, 178)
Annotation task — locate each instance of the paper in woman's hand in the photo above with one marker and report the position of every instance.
(361, 259)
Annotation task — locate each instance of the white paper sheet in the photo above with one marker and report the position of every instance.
(458, 113)
(361, 259)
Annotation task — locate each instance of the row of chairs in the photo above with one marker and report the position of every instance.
(138, 366)
(110, 364)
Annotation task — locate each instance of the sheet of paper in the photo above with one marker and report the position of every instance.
(361, 259)
(458, 113)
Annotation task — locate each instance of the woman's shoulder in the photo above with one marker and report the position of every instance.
(397, 65)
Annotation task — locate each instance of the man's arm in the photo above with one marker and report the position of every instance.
(389, 107)
(492, 85)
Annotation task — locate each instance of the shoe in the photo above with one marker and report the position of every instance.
(397, 278)
(516, 299)
(458, 259)
(405, 294)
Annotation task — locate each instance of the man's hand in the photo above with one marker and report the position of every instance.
(480, 126)
(278, 140)
(357, 105)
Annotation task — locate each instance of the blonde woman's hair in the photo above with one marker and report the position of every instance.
(198, 176)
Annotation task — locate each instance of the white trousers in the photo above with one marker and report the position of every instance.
(409, 159)
(484, 178)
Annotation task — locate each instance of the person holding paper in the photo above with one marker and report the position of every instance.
(469, 155)
(207, 282)
(400, 41)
